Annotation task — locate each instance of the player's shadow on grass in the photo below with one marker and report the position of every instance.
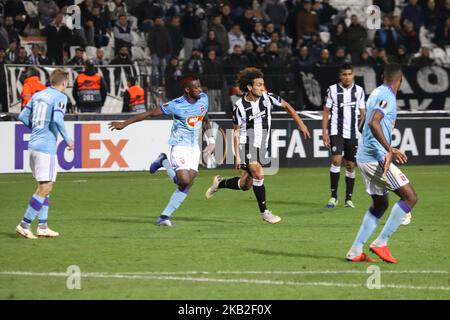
(194, 219)
(292, 254)
(294, 202)
(10, 235)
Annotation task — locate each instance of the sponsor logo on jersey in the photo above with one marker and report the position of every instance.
(383, 104)
(192, 121)
(258, 115)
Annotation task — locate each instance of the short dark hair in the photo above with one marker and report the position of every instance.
(32, 72)
(132, 80)
(247, 76)
(345, 66)
(391, 70)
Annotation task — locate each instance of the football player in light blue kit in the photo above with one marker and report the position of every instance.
(189, 114)
(374, 157)
(44, 115)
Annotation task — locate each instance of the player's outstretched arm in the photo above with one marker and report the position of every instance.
(119, 125)
(301, 126)
(377, 131)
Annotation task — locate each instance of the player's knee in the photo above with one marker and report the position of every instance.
(379, 210)
(350, 166)
(411, 198)
(183, 182)
(246, 186)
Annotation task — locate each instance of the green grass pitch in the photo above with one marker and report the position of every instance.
(218, 248)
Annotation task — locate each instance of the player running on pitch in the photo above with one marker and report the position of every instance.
(44, 115)
(252, 121)
(189, 112)
(374, 158)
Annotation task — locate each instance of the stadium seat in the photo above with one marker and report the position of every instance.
(138, 53)
(109, 53)
(133, 21)
(325, 37)
(91, 52)
(30, 8)
(139, 39)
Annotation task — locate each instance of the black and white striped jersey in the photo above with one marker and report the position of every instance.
(254, 119)
(344, 104)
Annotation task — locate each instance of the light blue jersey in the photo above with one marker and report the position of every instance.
(382, 99)
(187, 119)
(44, 115)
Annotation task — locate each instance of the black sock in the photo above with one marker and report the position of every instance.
(334, 178)
(350, 182)
(232, 183)
(260, 193)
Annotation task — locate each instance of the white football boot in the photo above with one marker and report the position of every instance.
(46, 233)
(269, 217)
(23, 232)
(214, 187)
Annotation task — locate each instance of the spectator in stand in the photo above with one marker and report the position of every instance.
(47, 10)
(191, 26)
(365, 59)
(401, 57)
(356, 38)
(78, 59)
(122, 33)
(326, 13)
(116, 9)
(387, 37)
(213, 80)
(315, 47)
(172, 78)
(211, 43)
(247, 22)
(259, 38)
(194, 65)
(13, 34)
(303, 59)
(160, 47)
(325, 59)
(221, 34)
(424, 60)
(341, 57)
(442, 36)
(99, 28)
(4, 38)
(413, 12)
(260, 58)
(123, 57)
(176, 35)
(22, 56)
(307, 22)
(235, 37)
(275, 64)
(12, 51)
(396, 23)
(432, 16)
(227, 19)
(16, 10)
(100, 59)
(45, 60)
(382, 58)
(234, 63)
(104, 13)
(34, 57)
(276, 12)
(3, 90)
(58, 36)
(249, 53)
(338, 37)
(387, 7)
(146, 12)
(269, 29)
(410, 38)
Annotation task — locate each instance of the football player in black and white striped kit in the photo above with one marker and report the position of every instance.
(251, 124)
(343, 115)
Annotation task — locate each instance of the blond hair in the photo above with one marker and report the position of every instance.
(58, 76)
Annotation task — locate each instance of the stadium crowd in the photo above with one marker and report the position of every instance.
(211, 38)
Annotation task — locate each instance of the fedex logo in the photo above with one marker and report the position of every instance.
(84, 144)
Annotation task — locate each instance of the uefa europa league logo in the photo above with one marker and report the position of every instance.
(72, 18)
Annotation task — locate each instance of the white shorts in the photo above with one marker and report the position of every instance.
(376, 183)
(184, 158)
(43, 166)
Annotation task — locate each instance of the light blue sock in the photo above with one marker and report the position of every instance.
(34, 207)
(399, 210)
(43, 214)
(368, 226)
(175, 201)
(170, 172)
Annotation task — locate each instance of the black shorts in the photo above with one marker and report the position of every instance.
(349, 146)
(250, 154)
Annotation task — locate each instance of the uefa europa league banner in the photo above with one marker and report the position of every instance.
(426, 88)
(115, 77)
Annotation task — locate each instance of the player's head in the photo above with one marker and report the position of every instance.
(191, 87)
(58, 79)
(32, 72)
(346, 75)
(393, 75)
(250, 80)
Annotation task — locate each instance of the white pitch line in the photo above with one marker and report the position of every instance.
(318, 272)
(218, 280)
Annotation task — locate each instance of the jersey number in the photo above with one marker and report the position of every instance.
(39, 114)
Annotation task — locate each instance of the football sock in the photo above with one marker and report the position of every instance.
(43, 214)
(175, 201)
(169, 169)
(34, 206)
(260, 192)
(334, 179)
(350, 183)
(399, 210)
(231, 183)
(368, 226)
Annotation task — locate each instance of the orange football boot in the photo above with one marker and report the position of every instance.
(384, 253)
